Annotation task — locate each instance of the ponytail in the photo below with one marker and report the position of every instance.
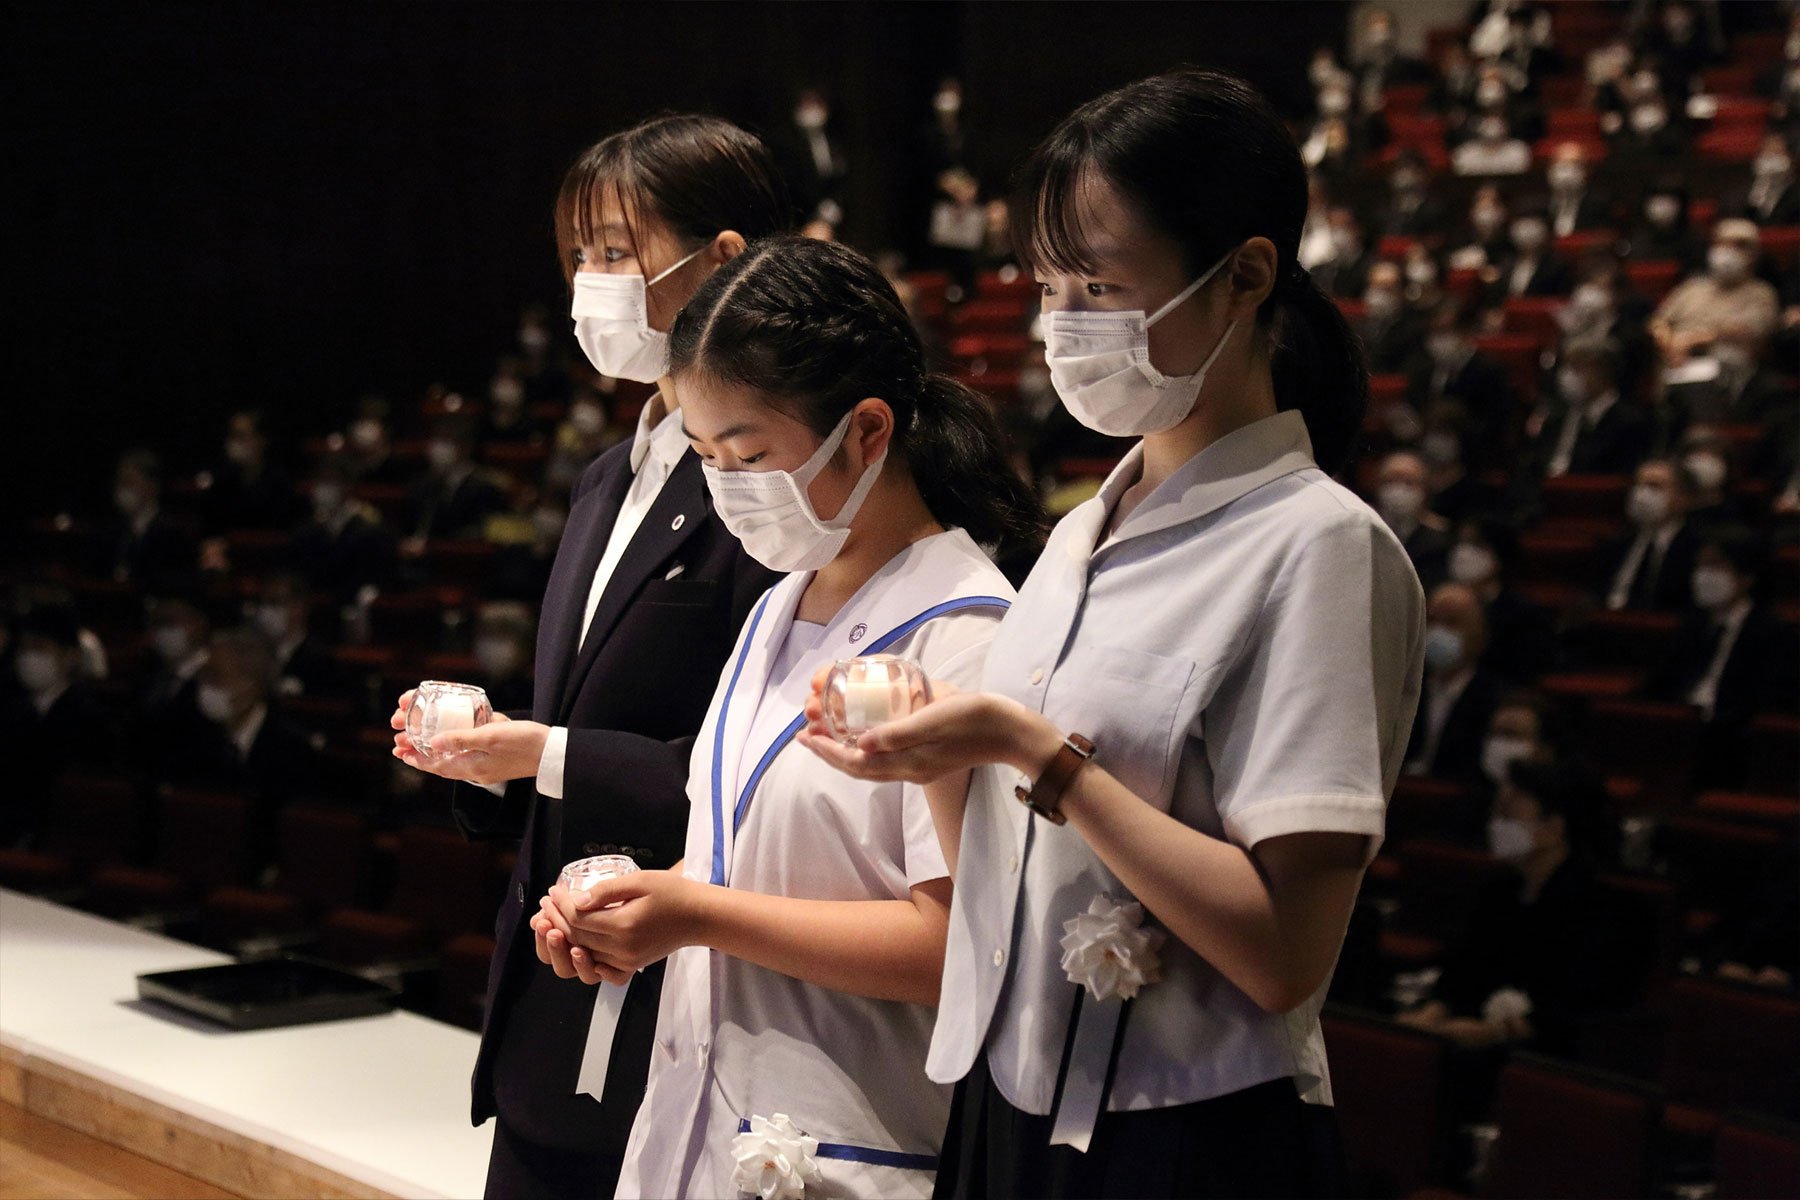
(953, 452)
(1318, 368)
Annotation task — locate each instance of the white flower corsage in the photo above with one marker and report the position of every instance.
(774, 1159)
(1506, 1006)
(1108, 951)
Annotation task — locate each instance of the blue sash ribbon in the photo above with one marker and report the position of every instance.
(742, 808)
(868, 1154)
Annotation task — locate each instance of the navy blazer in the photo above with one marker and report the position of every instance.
(632, 699)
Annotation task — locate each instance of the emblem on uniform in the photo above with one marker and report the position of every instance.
(860, 632)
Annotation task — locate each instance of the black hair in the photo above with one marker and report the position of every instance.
(816, 327)
(1562, 790)
(1209, 163)
(699, 175)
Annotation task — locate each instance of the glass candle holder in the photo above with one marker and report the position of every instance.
(584, 873)
(440, 707)
(861, 693)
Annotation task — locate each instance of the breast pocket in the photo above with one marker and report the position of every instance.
(1134, 706)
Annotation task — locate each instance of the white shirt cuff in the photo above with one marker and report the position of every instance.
(499, 789)
(550, 766)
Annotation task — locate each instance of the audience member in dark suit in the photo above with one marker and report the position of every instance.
(1573, 204)
(509, 420)
(1732, 658)
(1707, 460)
(1585, 425)
(1411, 211)
(1663, 232)
(368, 447)
(505, 632)
(50, 719)
(1533, 269)
(282, 613)
(1393, 337)
(811, 159)
(1458, 696)
(1521, 642)
(1653, 565)
(344, 548)
(455, 496)
(246, 490)
(243, 745)
(143, 546)
(1772, 197)
(1402, 500)
(1347, 270)
(1533, 956)
(1454, 369)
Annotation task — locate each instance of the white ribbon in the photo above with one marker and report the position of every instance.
(609, 1002)
(1084, 1087)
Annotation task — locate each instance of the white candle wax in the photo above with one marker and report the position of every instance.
(868, 702)
(453, 711)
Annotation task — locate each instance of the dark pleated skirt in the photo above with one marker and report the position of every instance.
(1262, 1141)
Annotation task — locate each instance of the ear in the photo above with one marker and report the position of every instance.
(1252, 271)
(871, 431)
(727, 246)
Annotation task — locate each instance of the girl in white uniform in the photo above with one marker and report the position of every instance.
(805, 926)
(1201, 697)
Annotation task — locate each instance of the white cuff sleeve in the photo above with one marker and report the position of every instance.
(550, 766)
(499, 789)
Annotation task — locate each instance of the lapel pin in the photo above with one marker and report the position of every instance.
(859, 633)
(679, 521)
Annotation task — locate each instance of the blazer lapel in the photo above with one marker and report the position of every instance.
(566, 595)
(679, 509)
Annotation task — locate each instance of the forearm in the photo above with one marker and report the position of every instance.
(1274, 934)
(886, 949)
(949, 799)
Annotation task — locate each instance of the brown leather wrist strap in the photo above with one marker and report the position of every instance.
(1045, 796)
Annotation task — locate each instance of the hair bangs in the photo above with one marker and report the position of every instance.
(1047, 205)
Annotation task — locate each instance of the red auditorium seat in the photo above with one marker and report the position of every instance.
(1645, 740)
(1533, 316)
(1569, 1134)
(1405, 99)
(1395, 245)
(1438, 888)
(443, 886)
(94, 821)
(1593, 147)
(1562, 122)
(1572, 246)
(1781, 243)
(1750, 808)
(1628, 639)
(1463, 282)
(1387, 1084)
(1005, 315)
(1733, 145)
(1775, 754)
(203, 841)
(1733, 79)
(1653, 277)
(995, 285)
(931, 291)
(462, 979)
(1733, 1047)
(1519, 353)
(322, 862)
(1718, 863)
(1351, 306)
(1643, 932)
(1585, 497)
(1557, 558)
(1756, 1161)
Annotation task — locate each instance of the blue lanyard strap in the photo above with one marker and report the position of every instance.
(793, 727)
(868, 1154)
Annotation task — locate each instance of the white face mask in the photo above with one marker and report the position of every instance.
(1500, 752)
(497, 656)
(1100, 366)
(771, 514)
(612, 323)
(1713, 587)
(1399, 501)
(39, 671)
(1728, 263)
(440, 454)
(171, 643)
(1708, 470)
(1472, 564)
(272, 619)
(1509, 839)
(1647, 506)
(1443, 648)
(214, 702)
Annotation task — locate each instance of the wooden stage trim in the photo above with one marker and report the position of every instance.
(177, 1140)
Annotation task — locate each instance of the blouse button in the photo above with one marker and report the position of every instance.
(1012, 866)
(999, 957)
(1037, 676)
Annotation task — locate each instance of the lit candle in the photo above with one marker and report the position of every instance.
(868, 702)
(455, 710)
